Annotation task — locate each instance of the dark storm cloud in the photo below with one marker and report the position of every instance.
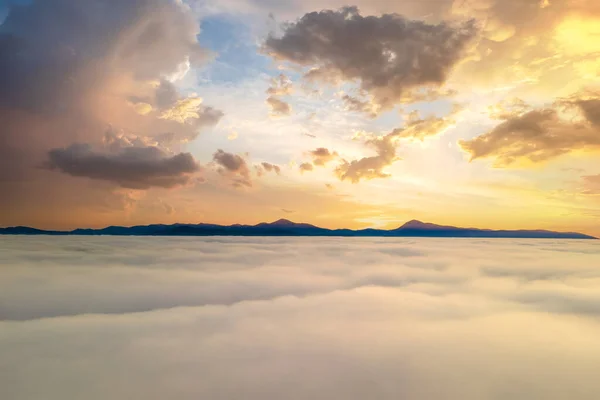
(389, 54)
(540, 134)
(233, 166)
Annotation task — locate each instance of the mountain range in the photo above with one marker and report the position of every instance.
(284, 227)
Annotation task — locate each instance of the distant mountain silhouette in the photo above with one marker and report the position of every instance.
(284, 227)
(415, 224)
(284, 223)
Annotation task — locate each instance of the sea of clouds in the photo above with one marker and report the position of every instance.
(298, 318)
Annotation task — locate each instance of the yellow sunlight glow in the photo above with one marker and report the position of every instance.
(579, 35)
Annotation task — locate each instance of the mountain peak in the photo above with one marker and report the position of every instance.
(416, 224)
(283, 222)
(413, 223)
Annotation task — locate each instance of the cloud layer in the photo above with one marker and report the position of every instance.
(325, 319)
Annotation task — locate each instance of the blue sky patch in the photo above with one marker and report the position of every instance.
(238, 58)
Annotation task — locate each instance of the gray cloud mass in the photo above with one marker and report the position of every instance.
(130, 167)
(390, 55)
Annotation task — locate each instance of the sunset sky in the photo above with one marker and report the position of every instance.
(479, 113)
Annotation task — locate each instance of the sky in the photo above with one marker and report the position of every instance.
(478, 113)
(322, 319)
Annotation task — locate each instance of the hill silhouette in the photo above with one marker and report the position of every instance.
(284, 227)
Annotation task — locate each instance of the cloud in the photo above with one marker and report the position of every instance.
(538, 135)
(418, 128)
(278, 107)
(389, 55)
(190, 110)
(133, 167)
(147, 38)
(586, 102)
(372, 167)
(271, 167)
(508, 108)
(167, 104)
(267, 167)
(369, 106)
(315, 319)
(234, 167)
(232, 136)
(364, 106)
(305, 167)
(70, 69)
(280, 86)
(321, 156)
